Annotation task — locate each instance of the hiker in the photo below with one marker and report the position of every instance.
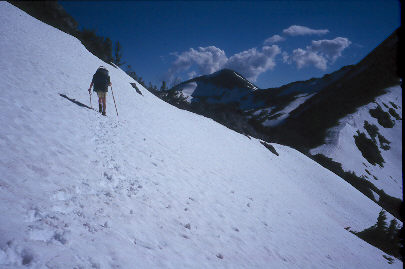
(101, 81)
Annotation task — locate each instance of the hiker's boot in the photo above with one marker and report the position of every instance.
(103, 113)
(100, 108)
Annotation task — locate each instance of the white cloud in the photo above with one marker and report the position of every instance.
(295, 30)
(207, 60)
(306, 57)
(319, 54)
(332, 49)
(250, 63)
(274, 39)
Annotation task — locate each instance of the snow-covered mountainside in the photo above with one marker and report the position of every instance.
(280, 102)
(226, 87)
(274, 115)
(381, 124)
(156, 187)
(317, 117)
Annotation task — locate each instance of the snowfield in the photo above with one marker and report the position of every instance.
(341, 147)
(156, 187)
(188, 90)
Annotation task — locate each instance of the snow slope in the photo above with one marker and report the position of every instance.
(188, 90)
(285, 112)
(341, 147)
(157, 187)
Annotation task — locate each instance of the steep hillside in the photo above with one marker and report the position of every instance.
(230, 99)
(231, 92)
(305, 114)
(278, 103)
(367, 80)
(372, 137)
(156, 187)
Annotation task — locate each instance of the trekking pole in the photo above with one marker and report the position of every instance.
(90, 101)
(114, 101)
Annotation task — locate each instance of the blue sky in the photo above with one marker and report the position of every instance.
(272, 43)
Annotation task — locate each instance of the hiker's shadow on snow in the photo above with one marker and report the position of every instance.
(74, 101)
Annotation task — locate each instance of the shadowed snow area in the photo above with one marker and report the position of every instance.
(157, 187)
(299, 100)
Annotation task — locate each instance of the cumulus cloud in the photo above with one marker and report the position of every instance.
(332, 49)
(250, 63)
(207, 60)
(307, 57)
(274, 39)
(295, 30)
(319, 54)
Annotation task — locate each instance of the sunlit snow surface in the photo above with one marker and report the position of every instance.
(341, 147)
(188, 90)
(253, 87)
(156, 187)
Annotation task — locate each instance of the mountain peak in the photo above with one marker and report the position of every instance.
(224, 86)
(230, 79)
(225, 72)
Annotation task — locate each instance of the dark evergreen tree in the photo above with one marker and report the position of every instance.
(381, 224)
(118, 54)
(99, 46)
(386, 239)
(50, 12)
(164, 86)
(392, 229)
(141, 81)
(108, 50)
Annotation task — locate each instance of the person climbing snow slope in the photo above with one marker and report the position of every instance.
(101, 81)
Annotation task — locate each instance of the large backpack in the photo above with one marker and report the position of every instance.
(101, 80)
